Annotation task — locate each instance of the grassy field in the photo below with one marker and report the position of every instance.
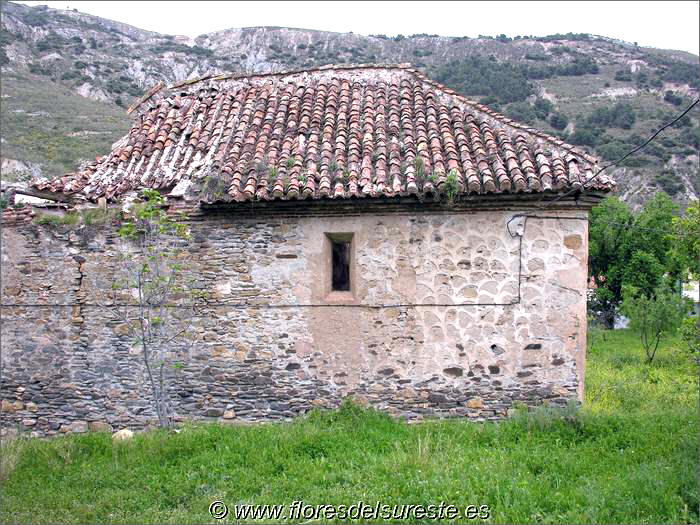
(630, 455)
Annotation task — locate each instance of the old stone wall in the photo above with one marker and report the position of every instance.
(276, 341)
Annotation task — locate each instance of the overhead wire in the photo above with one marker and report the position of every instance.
(632, 152)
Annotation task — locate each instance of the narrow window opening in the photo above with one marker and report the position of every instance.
(341, 265)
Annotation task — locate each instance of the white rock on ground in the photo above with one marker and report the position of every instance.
(123, 435)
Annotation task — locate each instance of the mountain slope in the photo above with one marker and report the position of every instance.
(602, 94)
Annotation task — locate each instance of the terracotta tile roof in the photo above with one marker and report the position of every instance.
(11, 216)
(332, 132)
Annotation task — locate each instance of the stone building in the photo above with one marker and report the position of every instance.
(362, 231)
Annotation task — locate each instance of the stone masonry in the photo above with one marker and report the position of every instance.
(67, 365)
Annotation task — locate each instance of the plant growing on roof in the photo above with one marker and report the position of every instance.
(272, 176)
(214, 187)
(451, 187)
(291, 160)
(260, 168)
(418, 168)
(152, 297)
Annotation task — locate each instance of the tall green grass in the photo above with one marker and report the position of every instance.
(629, 456)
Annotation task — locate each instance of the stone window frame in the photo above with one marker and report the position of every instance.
(339, 296)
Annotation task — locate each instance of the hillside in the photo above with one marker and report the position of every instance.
(68, 77)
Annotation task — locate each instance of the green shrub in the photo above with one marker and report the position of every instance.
(612, 150)
(35, 17)
(690, 333)
(621, 115)
(653, 315)
(522, 112)
(37, 69)
(623, 76)
(585, 136)
(558, 121)
(51, 42)
(476, 75)
(543, 108)
(669, 182)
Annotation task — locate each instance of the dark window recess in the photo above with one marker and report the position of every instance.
(341, 265)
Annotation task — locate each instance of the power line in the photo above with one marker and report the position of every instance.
(635, 150)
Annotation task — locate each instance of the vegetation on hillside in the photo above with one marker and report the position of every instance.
(45, 123)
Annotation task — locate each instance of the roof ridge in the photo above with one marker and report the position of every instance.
(408, 67)
(235, 76)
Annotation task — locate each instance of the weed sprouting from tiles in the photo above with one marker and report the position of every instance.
(290, 161)
(419, 169)
(214, 187)
(261, 168)
(451, 187)
(271, 176)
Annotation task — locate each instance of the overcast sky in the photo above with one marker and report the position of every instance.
(668, 25)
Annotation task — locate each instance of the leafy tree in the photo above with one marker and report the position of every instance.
(643, 271)
(543, 108)
(609, 225)
(653, 315)
(623, 76)
(672, 98)
(585, 136)
(653, 234)
(522, 112)
(558, 121)
(634, 250)
(687, 245)
(690, 333)
(612, 150)
(151, 297)
(621, 115)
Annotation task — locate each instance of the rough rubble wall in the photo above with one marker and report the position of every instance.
(70, 365)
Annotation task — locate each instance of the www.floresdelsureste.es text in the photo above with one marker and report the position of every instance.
(298, 510)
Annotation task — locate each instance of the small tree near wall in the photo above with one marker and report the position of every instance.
(153, 298)
(654, 315)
